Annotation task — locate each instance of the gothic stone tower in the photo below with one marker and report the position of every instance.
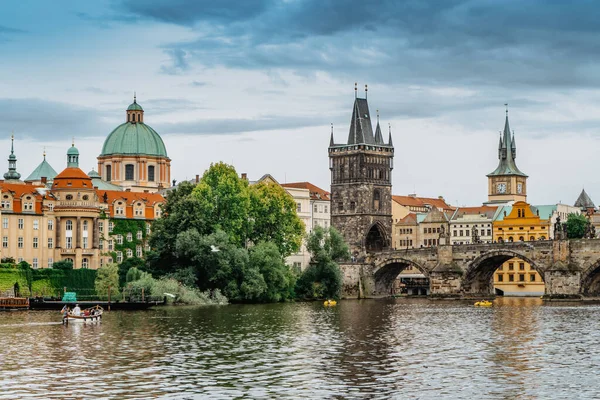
(361, 183)
(507, 183)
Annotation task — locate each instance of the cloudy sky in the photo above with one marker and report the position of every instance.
(256, 83)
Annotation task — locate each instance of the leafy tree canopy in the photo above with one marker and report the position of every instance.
(576, 226)
(107, 277)
(63, 264)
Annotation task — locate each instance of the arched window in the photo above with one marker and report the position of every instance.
(108, 173)
(151, 173)
(521, 238)
(376, 200)
(542, 237)
(500, 240)
(510, 239)
(69, 225)
(85, 263)
(129, 172)
(532, 238)
(85, 225)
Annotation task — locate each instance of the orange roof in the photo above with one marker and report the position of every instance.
(130, 197)
(415, 201)
(410, 219)
(18, 190)
(316, 193)
(72, 177)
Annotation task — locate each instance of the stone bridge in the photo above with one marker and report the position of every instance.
(569, 268)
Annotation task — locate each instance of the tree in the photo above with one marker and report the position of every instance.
(224, 202)
(126, 265)
(273, 218)
(323, 278)
(63, 264)
(576, 224)
(279, 280)
(107, 277)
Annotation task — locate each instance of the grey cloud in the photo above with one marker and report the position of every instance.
(179, 62)
(51, 120)
(198, 84)
(536, 44)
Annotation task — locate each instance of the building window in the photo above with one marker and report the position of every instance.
(5, 242)
(129, 253)
(500, 278)
(111, 245)
(85, 263)
(299, 207)
(119, 256)
(20, 242)
(69, 225)
(147, 247)
(325, 208)
(521, 277)
(85, 226)
(315, 208)
(511, 278)
(531, 277)
(119, 239)
(108, 176)
(21, 223)
(50, 262)
(129, 172)
(147, 229)
(5, 223)
(111, 226)
(6, 204)
(139, 235)
(50, 243)
(489, 232)
(138, 251)
(27, 206)
(511, 266)
(50, 224)
(35, 243)
(376, 200)
(139, 211)
(151, 173)
(50, 206)
(101, 244)
(35, 263)
(36, 224)
(119, 210)
(100, 226)
(85, 242)
(522, 266)
(129, 237)
(69, 242)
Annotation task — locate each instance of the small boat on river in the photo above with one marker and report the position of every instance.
(483, 303)
(92, 314)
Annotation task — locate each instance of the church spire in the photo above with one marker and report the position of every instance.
(331, 142)
(73, 156)
(390, 136)
(378, 135)
(507, 152)
(12, 173)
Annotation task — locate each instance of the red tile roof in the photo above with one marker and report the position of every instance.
(316, 193)
(413, 201)
(18, 190)
(72, 177)
(130, 198)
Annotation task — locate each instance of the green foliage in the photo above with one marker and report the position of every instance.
(63, 265)
(8, 278)
(107, 278)
(323, 278)
(183, 294)
(7, 260)
(126, 265)
(51, 282)
(278, 277)
(133, 274)
(576, 226)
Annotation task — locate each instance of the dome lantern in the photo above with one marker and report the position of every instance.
(135, 112)
(73, 156)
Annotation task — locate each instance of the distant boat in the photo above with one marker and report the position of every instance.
(14, 303)
(92, 314)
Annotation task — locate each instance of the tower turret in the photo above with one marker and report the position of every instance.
(12, 174)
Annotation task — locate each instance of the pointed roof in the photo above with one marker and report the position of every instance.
(507, 154)
(12, 174)
(361, 130)
(378, 135)
(390, 136)
(584, 201)
(43, 170)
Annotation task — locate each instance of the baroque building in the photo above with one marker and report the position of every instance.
(134, 155)
(361, 183)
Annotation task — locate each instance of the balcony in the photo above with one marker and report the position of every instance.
(76, 204)
(67, 251)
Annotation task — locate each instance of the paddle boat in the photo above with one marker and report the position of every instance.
(483, 303)
(329, 303)
(92, 314)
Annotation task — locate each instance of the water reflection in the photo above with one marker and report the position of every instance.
(401, 348)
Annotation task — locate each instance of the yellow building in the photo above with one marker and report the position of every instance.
(519, 222)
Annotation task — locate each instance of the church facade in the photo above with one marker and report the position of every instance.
(88, 219)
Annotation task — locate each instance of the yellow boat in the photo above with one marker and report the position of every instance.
(483, 303)
(329, 303)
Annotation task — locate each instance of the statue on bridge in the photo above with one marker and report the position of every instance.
(475, 235)
(590, 230)
(560, 230)
(444, 237)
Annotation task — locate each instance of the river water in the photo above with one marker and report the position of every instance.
(404, 349)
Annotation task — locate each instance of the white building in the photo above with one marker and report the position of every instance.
(465, 219)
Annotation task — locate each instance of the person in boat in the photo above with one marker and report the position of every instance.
(65, 313)
(76, 311)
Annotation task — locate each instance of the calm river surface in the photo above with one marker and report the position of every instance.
(404, 349)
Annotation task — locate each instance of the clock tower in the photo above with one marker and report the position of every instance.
(507, 183)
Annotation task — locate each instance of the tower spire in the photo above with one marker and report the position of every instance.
(366, 91)
(134, 97)
(355, 90)
(390, 135)
(331, 142)
(12, 173)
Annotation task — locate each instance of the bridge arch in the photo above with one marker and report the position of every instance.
(478, 278)
(590, 281)
(386, 272)
(377, 238)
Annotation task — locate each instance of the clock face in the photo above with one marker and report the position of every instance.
(501, 188)
(519, 188)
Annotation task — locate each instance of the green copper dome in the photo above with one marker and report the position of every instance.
(134, 138)
(73, 151)
(42, 170)
(135, 107)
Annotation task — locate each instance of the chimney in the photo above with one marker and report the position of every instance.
(441, 197)
(44, 180)
(197, 178)
(128, 190)
(244, 176)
